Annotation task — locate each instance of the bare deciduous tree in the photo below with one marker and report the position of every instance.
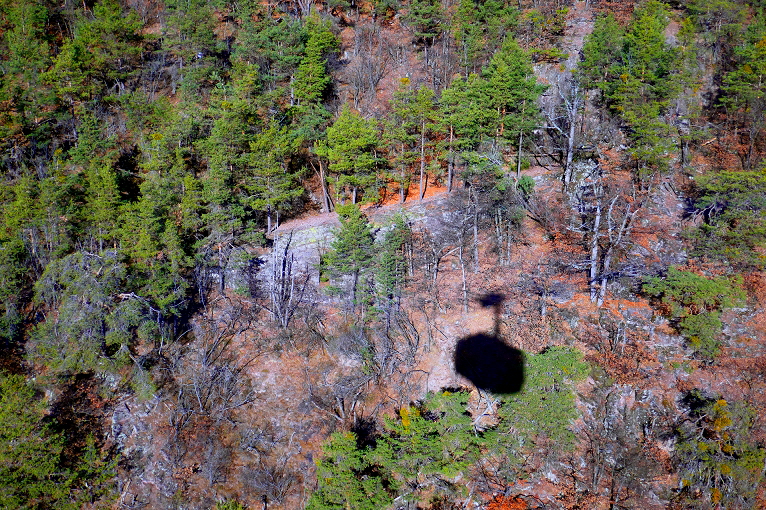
(606, 211)
(286, 286)
(370, 59)
(621, 428)
(267, 472)
(562, 118)
(339, 396)
(210, 380)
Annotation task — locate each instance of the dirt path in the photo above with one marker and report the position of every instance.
(377, 214)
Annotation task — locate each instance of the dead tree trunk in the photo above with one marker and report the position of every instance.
(326, 204)
(422, 159)
(286, 289)
(616, 236)
(594, 247)
(450, 161)
(464, 278)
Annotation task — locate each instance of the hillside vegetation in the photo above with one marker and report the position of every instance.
(430, 254)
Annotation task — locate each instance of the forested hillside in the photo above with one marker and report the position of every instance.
(435, 254)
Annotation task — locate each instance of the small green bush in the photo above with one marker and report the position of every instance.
(694, 303)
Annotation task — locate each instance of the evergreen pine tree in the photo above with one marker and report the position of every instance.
(414, 111)
(346, 478)
(30, 452)
(543, 410)
(271, 184)
(352, 251)
(428, 444)
(426, 18)
(311, 79)
(391, 267)
(350, 148)
(95, 58)
(514, 87)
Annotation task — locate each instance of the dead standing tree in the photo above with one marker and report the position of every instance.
(208, 383)
(451, 234)
(561, 122)
(211, 381)
(368, 62)
(621, 431)
(606, 211)
(286, 287)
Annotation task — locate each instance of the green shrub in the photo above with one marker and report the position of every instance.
(734, 207)
(717, 460)
(694, 303)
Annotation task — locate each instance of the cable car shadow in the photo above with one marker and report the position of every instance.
(486, 360)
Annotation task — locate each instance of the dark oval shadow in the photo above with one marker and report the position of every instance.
(485, 360)
(489, 363)
(493, 299)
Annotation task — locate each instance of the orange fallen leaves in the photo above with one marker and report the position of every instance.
(501, 502)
